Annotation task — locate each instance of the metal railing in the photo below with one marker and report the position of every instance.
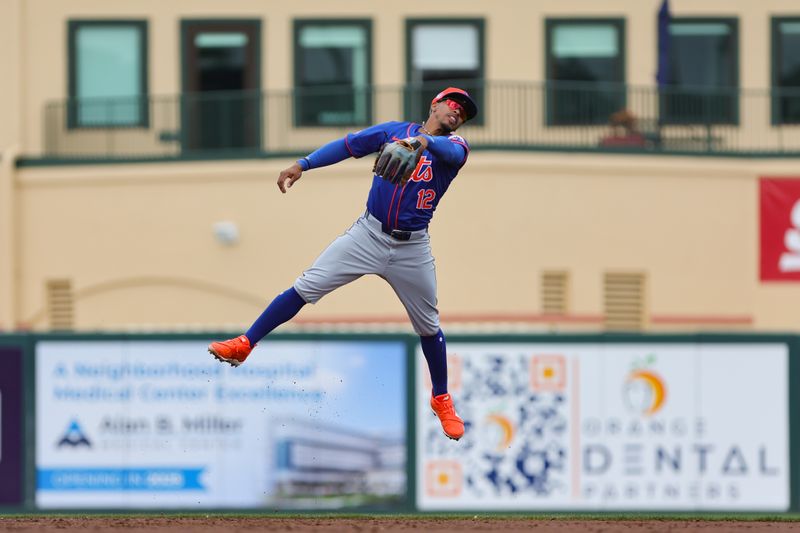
(513, 115)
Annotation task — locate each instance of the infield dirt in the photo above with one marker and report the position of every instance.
(376, 524)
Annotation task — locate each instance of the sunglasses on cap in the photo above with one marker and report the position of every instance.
(455, 106)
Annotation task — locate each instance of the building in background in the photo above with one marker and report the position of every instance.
(141, 142)
(325, 464)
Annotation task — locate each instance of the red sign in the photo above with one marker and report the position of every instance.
(780, 229)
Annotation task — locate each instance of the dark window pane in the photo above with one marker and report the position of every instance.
(325, 66)
(585, 78)
(221, 64)
(575, 104)
(332, 78)
(703, 61)
(788, 72)
(327, 95)
(221, 61)
(586, 69)
(698, 106)
(222, 119)
(221, 104)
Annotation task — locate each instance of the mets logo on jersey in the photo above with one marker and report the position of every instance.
(424, 170)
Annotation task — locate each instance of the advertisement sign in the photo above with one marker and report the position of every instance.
(780, 229)
(163, 425)
(11, 429)
(609, 427)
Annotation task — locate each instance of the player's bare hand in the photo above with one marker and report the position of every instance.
(289, 176)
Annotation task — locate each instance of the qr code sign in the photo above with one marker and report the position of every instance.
(515, 445)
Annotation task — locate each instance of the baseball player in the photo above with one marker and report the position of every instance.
(415, 165)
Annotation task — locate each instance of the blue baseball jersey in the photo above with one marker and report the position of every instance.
(411, 206)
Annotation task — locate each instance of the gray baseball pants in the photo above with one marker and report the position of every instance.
(408, 266)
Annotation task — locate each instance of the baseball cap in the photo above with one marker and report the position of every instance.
(461, 96)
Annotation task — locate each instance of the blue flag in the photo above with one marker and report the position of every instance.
(664, 73)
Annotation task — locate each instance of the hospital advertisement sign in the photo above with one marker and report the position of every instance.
(161, 424)
(694, 426)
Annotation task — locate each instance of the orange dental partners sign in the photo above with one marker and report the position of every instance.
(780, 229)
(600, 426)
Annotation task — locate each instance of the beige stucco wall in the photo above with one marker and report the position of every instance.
(137, 241)
(11, 83)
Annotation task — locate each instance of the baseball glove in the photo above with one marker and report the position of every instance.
(397, 160)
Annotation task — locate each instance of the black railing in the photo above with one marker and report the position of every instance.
(538, 116)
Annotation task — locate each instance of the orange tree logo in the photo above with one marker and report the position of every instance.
(502, 429)
(644, 390)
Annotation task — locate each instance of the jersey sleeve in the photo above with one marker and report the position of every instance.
(452, 150)
(369, 140)
(331, 153)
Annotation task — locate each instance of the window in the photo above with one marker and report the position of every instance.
(585, 70)
(221, 81)
(107, 74)
(430, 69)
(332, 73)
(786, 71)
(704, 73)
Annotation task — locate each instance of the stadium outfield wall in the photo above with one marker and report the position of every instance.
(582, 422)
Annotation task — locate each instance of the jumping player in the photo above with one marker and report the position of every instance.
(391, 238)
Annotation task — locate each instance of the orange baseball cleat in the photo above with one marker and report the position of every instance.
(233, 351)
(452, 424)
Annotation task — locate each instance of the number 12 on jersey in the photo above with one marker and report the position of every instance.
(425, 198)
